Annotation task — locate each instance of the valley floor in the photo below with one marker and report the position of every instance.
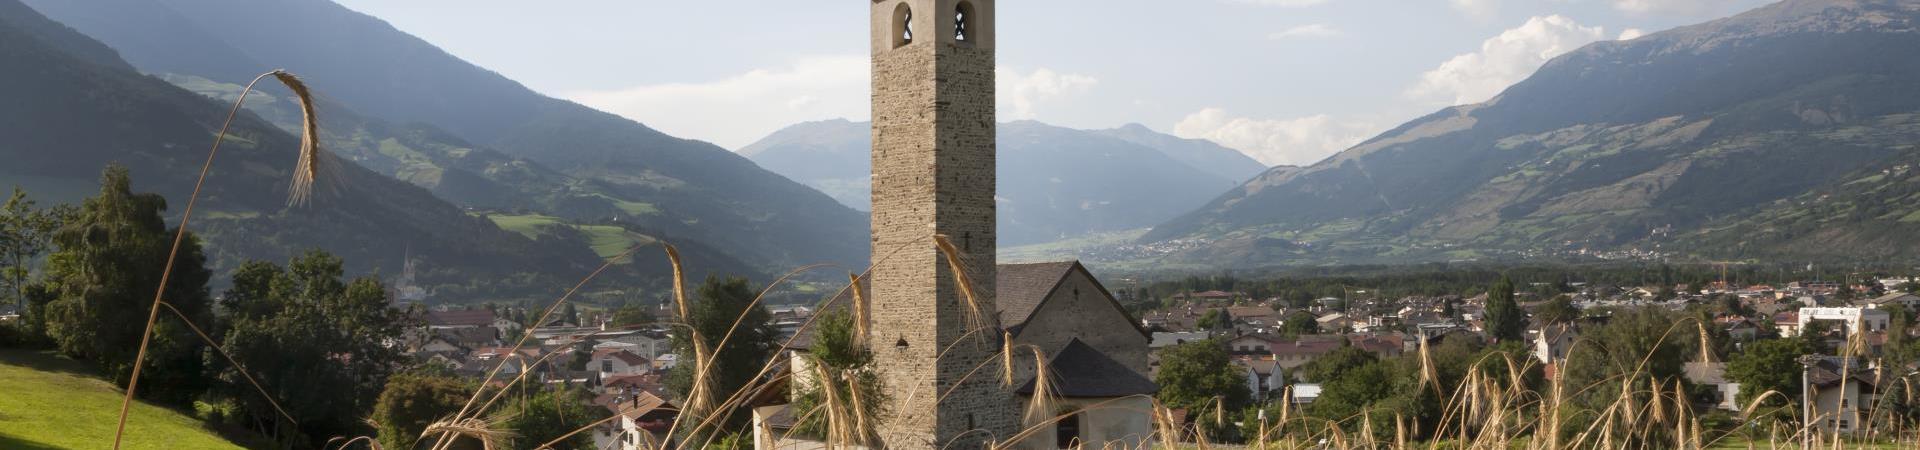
(49, 402)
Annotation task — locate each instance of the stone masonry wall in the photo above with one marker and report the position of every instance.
(933, 173)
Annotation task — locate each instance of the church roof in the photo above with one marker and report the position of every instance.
(1019, 289)
(1080, 371)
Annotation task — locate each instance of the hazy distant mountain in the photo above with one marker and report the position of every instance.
(1198, 153)
(1713, 139)
(68, 115)
(591, 165)
(1054, 182)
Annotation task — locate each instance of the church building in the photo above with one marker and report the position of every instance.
(937, 343)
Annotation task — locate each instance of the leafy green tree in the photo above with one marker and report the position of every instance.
(1299, 323)
(414, 400)
(721, 303)
(1505, 322)
(1336, 363)
(1814, 334)
(1769, 365)
(319, 344)
(1193, 374)
(842, 367)
(26, 232)
(102, 281)
(547, 415)
(1210, 320)
(1558, 310)
(631, 315)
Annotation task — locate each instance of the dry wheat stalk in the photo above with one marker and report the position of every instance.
(307, 152)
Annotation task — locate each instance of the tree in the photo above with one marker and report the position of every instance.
(570, 314)
(631, 315)
(1814, 334)
(1210, 320)
(25, 233)
(839, 366)
(548, 415)
(1194, 374)
(414, 400)
(721, 303)
(1505, 322)
(315, 342)
(102, 281)
(1558, 310)
(1299, 323)
(1769, 365)
(1336, 363)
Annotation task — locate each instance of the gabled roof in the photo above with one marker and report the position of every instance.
(1019, 289)
(1080, 371)
(620, 354)
(476, 317)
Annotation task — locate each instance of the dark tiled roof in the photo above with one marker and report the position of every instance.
(1080, 371)
(477, 317)
(1826, 371)
(1020, 288)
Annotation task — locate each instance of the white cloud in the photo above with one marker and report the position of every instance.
(1477, 8)
(1502, 60)
(1631, 34)
(1683, 7)
(1020, 94)
(1316, 30)
(1295, 141)
(1283, 3)
(739, 109)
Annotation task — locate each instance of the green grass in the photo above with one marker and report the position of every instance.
(52, 402)
(606, 240)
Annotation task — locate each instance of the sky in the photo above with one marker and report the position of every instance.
(1285, 81)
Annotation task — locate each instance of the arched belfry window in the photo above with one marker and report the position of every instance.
(903, 18)
(962, 18)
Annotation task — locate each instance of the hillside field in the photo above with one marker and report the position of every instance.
(52, 402)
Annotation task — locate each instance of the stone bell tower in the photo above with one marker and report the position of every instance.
(933, 173)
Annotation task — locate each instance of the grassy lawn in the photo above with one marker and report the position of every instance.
(51, 402)
(606, 240)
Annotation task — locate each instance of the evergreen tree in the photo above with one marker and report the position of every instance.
(1505, 321)
(720, 304)
(102, 281)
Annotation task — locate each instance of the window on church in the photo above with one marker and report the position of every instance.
(961, 15)
(903, 16)
(1067, 432)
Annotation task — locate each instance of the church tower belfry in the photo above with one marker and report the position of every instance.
(933, 174)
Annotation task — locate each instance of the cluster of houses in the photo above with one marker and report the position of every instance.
(1840, 389)
(622, 367)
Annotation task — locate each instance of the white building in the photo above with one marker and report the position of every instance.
(1857, 319)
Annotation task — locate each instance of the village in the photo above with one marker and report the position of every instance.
(1270, 340)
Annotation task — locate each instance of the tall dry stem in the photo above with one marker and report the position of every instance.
(306, 171)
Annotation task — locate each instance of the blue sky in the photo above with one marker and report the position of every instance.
(1286, 81)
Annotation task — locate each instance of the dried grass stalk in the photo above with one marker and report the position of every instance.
(186, 217)
(478, 429)
(963, 276)
(307, 169)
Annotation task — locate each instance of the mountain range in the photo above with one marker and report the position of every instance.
(474, 137)
(73, 107)
(1784, 132)
(1054, 183)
